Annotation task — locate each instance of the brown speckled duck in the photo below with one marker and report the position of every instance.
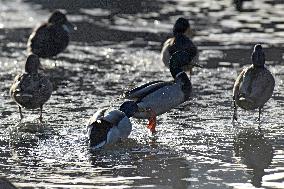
(255, 84)
(52, 37)
(180, 42)
(31, 89)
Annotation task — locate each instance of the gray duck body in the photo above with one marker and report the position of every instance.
(108, 128)
(31, 91)
(179, 43)
(161, 96)
(48, 40)
(255, 84)
(253, 87)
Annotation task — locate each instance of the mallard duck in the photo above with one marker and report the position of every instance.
(158, 97)
(108, 128)
(52, 37)
(180, 42)
(255, 84)
(31, 89)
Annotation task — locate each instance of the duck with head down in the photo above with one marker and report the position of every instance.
(180, 42)
(52, 37)
(31, 89)
(158, 97)
(111, 127)
(254, 85)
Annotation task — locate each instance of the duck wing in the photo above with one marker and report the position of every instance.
(40, 40)
(48, 40)
(238, 83)
(142, 91)
(254, 86)
(165, 54)
(262, 87)
(22, 85)
(98, 115)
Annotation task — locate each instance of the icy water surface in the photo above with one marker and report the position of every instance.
(117, 47)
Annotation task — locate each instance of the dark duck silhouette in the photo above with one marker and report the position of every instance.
(254, 85)
(180, 42)
(31, 89)
(157, 97)
(256, 153)
(51, 37)
(239, 4)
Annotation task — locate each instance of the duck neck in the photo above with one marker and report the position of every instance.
(176, 68)
(185, 83)
(261, 66)
(182, 76)
(177, 34)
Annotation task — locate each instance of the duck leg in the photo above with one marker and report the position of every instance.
(40, 116)
(152, 121)
(190, 73)
(259, 113)
(238, 4)
(21, 115)
(235, 116)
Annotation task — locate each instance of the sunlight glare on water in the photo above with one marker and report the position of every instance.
(115, 49)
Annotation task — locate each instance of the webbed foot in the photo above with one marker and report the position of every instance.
(152, 122)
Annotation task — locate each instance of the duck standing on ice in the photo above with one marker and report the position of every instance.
(255, 84)
(31, 89)
(51, 37)
(157, 97)
(180, 42)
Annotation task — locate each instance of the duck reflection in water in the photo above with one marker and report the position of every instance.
(256, 153)
(159, 168)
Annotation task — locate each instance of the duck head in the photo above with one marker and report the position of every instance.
(32, 64)
(180, 59)
(258, 57)
(129, 108)
(98, 133)
(182, 26)
(59, 18)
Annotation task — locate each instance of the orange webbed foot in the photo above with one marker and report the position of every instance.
(152, 122)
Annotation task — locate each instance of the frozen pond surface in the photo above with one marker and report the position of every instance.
(197, 146)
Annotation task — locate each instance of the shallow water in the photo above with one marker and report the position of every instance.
(116, 48)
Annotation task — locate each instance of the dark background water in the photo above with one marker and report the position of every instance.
(116, 47)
